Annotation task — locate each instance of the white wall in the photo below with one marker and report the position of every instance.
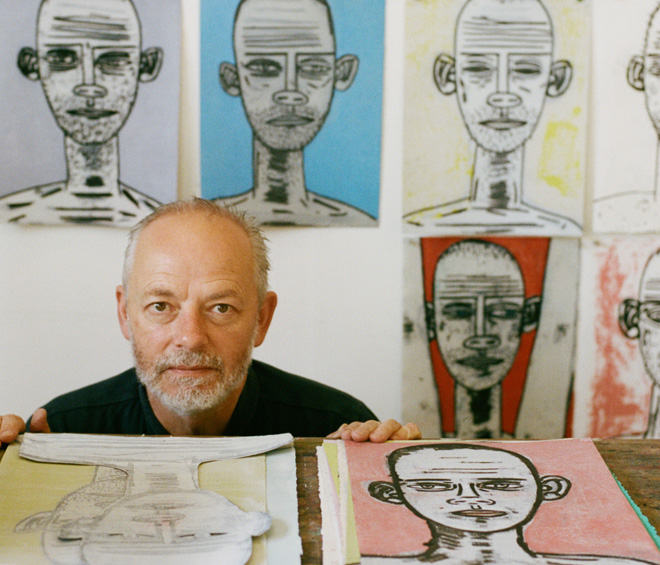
(339, 315)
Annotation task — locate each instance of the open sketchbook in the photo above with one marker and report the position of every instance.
(75, 498)
(473, 502)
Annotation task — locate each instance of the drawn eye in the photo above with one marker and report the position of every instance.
(264, 68)
(653, 65)
(652, 311)
(113, 62)
(62, 59)
(458, 311)
(527, 69)
(314, 69)
(431, 486)
(501, 484)
(504, 311)
(478, 67)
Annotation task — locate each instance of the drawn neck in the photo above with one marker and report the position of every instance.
(92, 169)
(497, 178)
(478, 412)
(163, 476)
(653, 430)
(279, 176)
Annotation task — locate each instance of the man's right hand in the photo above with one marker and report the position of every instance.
(12, 425)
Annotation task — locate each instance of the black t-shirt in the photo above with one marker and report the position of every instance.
(272, 402)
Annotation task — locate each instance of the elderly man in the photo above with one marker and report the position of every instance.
(193, 303)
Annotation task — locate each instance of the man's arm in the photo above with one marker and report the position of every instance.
(12, 425)
(376, 432)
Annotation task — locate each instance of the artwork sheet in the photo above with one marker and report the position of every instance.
(495, 110)
(291, 108)
(91, 89)
(617, 357)
(625, 118)
(447, 489)
(489, 336)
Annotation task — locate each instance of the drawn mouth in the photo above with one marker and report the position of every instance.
(479, 513)
(91, 113)
(502, 124)
(289, 121)
(479, 362)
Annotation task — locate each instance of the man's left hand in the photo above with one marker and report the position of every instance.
(376, 432)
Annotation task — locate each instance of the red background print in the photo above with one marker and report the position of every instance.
(531, 254)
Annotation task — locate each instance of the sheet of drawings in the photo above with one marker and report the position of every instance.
(144, 500)
(618, 391)
(291, 103)
(495, 117)
(489, 336)
(489, 502)
(625, 117)
(93, 88)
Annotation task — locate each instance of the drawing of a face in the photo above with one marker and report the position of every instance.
(285, 61)
(649, 317)
(503, 65)
(89, 65)
(479, 303)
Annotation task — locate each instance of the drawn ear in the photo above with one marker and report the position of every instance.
(151, 60)
(345, 70)
(385, 492)
(561, 74)
(531, 313)
(34, 523)
(28, 63)
(554, 487)
(635, 72)
(229, 79)
(629, 318)
(444, 73)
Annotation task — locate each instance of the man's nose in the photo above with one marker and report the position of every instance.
(189, 331)
(482, 342)
(504, 100)
(290, 98)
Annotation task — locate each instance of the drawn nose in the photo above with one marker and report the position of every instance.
(504, 100)
(90, 91)
(482, 342)
(470, 499)
(290, 98)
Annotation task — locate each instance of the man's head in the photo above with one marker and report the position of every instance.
(644, 70)
(641, 318)
(89, 62)
(480, 312)
(502, 70)
(467, 487)
(285, 70)
(194, 302)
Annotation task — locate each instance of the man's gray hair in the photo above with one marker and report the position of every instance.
(247, 223)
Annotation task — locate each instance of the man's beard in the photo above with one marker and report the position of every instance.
(191, 395)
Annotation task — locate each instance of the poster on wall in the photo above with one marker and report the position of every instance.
(90, 90)
(291, 102)
(626, 116)
(618, 389)
(495, 117)
(489, 333)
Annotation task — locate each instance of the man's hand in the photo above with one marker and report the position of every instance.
(376, 432)
(12, 425)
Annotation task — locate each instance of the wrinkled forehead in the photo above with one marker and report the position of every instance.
(653, 34)
(279, 25)
(477, 269)
(649, 288)
(107, 21)
(512, 25)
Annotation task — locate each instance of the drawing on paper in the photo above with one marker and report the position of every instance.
(478, 502)
(89, 61)
(144, 501)
(502, 73)
(287, 73)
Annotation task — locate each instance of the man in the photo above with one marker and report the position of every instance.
(286, 73)
(502, 72)
(89, 62)
(476, 501)
(193, 303)
(479, 314)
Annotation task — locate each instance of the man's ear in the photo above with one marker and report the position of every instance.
(122, 313)
(346, 68)
(266, 312)
(554, 487)
(444, 73)
(636, 72)
(28, 63)
(629, 318)
(151, 60)
(385, 492)
(531, 313)
(561, 74)
(229, 79)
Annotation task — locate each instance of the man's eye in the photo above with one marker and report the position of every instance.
(159, 306)
(264, 68)
(221, 308)
(507, 485)
(504, 311)
(113, 62)
(314, 69)
(458, 311)
(431, 486)
(62, 59)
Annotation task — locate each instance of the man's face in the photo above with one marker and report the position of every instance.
(479, 301)
(649, 318)
(652, 71)
(503, 63)
(192, 310)
(285, 55)
(472, 490)
(89, 58)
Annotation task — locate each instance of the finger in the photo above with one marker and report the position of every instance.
(39, 422)
(359, 431)
(409, 431)
(337, 434)
(10, 426)
(385, 431)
